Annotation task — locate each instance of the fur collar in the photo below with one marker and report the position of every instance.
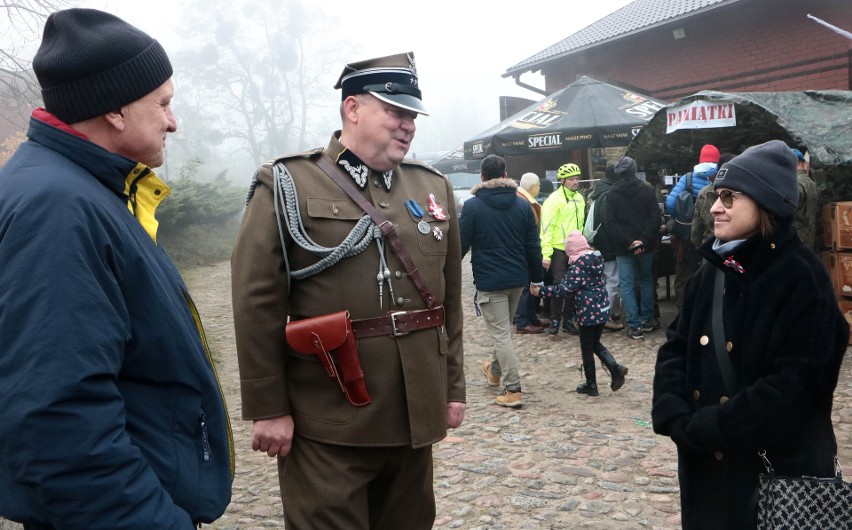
(494, 184)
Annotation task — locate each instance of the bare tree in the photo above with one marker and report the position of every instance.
(248, 64)
(19, 90)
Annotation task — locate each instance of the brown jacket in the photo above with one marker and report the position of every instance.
(410, 378)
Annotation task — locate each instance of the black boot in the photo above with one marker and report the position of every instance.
(554, 327)
(616, 371)
(590, 387)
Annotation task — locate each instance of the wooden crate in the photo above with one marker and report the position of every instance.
(839, 265)
(846, 309)
(837, 225)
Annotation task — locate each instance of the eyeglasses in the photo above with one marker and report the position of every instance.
(726, 196)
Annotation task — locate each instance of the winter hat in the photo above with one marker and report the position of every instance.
(625, 168)
(576, 245)
(767, 174)
(90, 63)
(709, 153)
(799, 154)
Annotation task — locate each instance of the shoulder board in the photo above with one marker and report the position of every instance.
(420, 163)
(304, 154)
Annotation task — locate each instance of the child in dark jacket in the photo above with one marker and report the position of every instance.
(585, 279)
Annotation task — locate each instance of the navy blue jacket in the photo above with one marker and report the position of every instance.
(111, 412)
(500, 228)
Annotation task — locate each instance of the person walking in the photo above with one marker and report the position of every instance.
(563, 211)
(632, 218)
(112, 413)
(762, 378)
(526, 319)
(585, 279)
(353, 431)
(500, 231)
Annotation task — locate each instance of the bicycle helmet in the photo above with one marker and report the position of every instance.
(568, 171)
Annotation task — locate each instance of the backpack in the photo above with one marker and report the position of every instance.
(683, 209)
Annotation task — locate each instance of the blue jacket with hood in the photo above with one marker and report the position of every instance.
(111, 410)
(501, 229)
(700, 177)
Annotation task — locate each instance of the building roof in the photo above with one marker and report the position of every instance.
(638, 16)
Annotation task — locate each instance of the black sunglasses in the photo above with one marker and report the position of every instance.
(726, 196)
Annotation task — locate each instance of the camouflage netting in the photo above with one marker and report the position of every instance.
(817, 122)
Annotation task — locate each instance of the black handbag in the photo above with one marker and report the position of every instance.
(803, 502)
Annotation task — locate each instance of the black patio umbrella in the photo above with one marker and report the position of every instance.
(586, 113)
(454, 162)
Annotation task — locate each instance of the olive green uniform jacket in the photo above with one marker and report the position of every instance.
(410, 378)
(806, 213)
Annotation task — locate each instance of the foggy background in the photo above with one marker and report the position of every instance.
(254, 78)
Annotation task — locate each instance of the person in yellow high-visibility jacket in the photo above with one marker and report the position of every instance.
(562, 212)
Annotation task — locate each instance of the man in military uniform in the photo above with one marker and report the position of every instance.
(806, 214)
(341, 465)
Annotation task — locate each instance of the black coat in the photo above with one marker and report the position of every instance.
(500, 227)
(787, 339)
(631, 213)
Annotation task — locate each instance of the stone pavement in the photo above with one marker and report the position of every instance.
(563, 461)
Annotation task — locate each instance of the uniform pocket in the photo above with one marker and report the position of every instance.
(434, 242)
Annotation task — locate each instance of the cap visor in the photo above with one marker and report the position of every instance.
(403, 101)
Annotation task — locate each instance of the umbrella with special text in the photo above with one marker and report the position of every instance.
(586, 113)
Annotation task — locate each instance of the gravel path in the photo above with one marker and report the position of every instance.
(563, 461)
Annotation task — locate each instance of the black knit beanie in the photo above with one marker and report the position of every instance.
(767, 174)
(90, 63)
(625, 168)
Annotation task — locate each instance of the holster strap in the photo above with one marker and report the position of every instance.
(398, 323)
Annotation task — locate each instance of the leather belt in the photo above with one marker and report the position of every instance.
(398, 323)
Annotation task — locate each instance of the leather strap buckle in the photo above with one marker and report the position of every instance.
(394, 331)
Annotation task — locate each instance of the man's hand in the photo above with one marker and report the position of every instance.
(273, 436)
(535, 290)
(546, 264)
(455, 414)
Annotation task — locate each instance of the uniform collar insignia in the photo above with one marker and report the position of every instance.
(360, 172)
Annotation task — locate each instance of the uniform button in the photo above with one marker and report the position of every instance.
(719, 456)
(729, 346)
(696, 395)
(376, 183)
(334, 210)
(723, 400)
(704, 340)
(402, 301)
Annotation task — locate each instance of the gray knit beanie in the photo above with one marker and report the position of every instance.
(767, 174)
(90, 63)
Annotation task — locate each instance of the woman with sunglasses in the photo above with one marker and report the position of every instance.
(762, 378)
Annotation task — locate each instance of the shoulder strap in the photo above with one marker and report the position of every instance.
(384, 225)
(729, 375)
(689, 182)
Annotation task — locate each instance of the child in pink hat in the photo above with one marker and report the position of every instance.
(585, 279)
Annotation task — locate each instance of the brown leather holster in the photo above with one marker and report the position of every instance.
(331, 339)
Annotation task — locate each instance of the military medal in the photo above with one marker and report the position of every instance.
(437, 233)
(417, 212)
(435, 209)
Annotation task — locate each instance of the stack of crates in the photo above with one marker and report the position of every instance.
(837, 256)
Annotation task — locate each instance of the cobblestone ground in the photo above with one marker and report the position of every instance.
(561, 462)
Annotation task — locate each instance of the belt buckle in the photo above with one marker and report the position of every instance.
(394, 331)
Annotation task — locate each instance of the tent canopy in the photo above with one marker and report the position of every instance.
(586, 113)
(817, 122)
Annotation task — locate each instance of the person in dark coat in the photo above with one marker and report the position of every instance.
(785, 336)
(632, 218)
(500, 230)
(603, 243)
